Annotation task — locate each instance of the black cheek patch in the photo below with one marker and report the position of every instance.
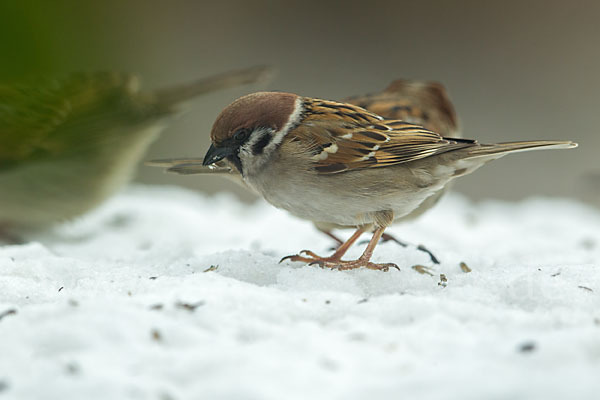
(259, 146)
(235, 160)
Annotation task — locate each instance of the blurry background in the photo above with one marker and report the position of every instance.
(514, 69)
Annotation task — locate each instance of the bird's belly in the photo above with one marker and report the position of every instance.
(346, 198)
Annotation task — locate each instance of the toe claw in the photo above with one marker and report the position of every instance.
(294, 258)
(285, 258)
(306, 256)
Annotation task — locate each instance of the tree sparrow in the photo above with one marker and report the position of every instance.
(337, 163)
(423, 103)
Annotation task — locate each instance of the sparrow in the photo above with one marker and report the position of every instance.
(337, 163)
(67, 145)
(424, 103)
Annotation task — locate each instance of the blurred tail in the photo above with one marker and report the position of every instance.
(173, 95)
(188, 166)
(512, 147)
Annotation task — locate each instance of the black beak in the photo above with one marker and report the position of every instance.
(216, 154)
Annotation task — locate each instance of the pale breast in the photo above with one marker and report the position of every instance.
(348, 198)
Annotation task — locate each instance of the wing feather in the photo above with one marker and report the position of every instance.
(343, 137)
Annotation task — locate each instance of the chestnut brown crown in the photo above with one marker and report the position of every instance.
(257, 110)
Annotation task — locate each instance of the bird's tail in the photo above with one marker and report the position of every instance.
(500, 149)
(174, 95)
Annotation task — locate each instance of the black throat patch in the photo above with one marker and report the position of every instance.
(235, 160)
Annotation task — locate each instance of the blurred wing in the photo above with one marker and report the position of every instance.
(55, 117)
(91, 111)
(174, 95)
(189, 166)
(343, 137)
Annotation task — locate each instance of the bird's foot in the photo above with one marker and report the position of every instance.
(346, 265)
(386, 237)
(335, 263)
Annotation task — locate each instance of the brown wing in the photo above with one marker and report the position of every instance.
(419, 102)
(345, 137)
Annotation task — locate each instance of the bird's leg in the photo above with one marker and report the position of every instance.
(335, 238)
(363, 260)
(386, 237)
(337, 256)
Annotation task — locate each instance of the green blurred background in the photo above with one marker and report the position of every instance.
(514, 69)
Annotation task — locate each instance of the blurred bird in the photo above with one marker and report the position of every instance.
(66, 145)
(424, 103)
(337, 163)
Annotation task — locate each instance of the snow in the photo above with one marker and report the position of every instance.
(120, 305)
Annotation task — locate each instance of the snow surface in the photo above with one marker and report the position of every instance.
(117, 305)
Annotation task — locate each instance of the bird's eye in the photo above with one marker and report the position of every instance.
(240, 135)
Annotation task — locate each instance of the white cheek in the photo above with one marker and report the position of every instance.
(252, 162)
(245, 151)
(245, 154)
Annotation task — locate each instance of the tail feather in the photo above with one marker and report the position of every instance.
(513, 147)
